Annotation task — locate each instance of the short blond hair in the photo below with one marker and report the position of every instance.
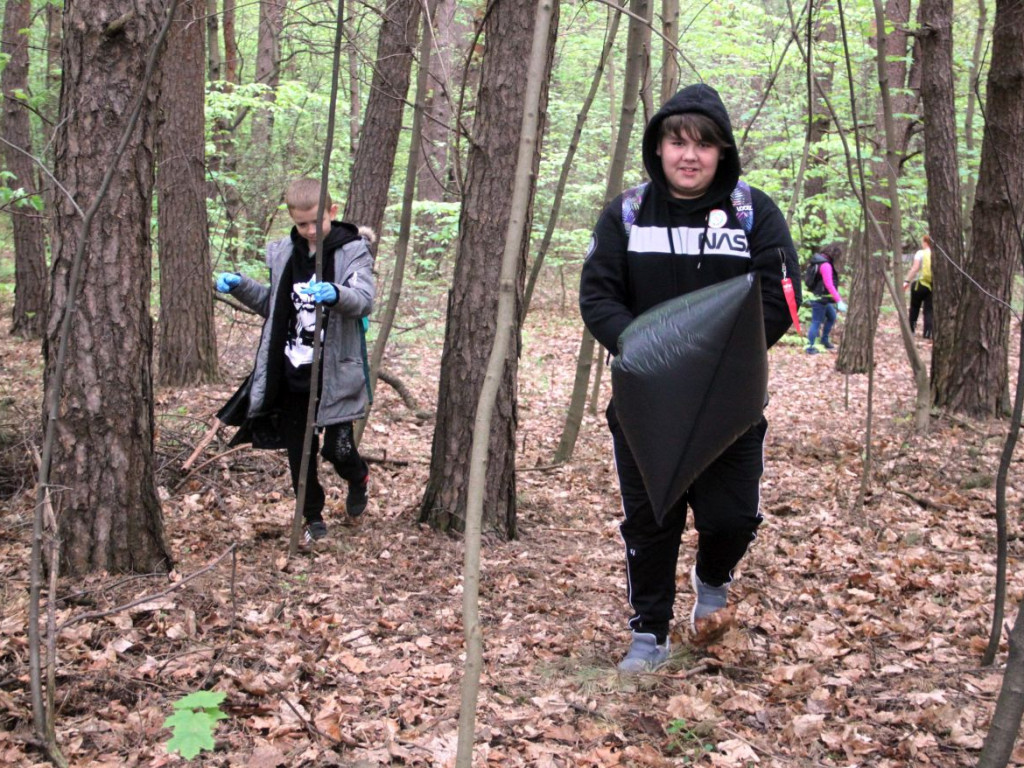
(303, 194)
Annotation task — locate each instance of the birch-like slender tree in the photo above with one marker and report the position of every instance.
(507, 324)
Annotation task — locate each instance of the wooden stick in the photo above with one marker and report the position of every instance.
(215, 425)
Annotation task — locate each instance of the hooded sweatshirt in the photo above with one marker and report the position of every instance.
(676, 246)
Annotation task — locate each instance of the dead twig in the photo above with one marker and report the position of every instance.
(209, 461)
(310, 727)
(403, 392)
(924, 502)
(146, 598)
(211, 432)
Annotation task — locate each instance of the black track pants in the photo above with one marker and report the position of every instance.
(725, 500)
(339, 449)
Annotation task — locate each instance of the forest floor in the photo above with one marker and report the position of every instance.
(858, 639)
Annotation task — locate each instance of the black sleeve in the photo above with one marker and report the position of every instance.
(773, 257)
(604, 280)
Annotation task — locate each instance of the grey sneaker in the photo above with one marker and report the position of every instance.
(314, 532)
(645, 655)
(709, 599)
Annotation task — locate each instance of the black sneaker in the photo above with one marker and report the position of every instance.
(314, 532)
(357, 498)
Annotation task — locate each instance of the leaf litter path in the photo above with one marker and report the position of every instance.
(857, 642)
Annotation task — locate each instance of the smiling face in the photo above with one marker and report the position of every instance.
(689, 164)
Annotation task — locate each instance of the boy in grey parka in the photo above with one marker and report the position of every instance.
(280, 383)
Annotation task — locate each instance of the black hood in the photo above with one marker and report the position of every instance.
(341, 233)
(705, 100)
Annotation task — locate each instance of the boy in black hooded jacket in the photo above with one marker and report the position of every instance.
(688, 230)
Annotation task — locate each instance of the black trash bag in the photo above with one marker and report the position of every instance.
(690, 378)
(261, 431)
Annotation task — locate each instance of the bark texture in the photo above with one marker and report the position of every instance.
(188, 344)
(979, 383)
(473, 301)
(102, 470)
(370, 182)
(941, 164)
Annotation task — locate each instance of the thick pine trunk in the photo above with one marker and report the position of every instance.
(29, 315)
(188, 344)
(374, 161)
(941, 168)
(978, 384)
(473, 301)
(102, 468)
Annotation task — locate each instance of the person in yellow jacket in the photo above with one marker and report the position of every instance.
(919, 281)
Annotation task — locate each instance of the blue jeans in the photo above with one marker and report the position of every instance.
(821, 312)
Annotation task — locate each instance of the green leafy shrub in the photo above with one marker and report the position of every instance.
(193, 721)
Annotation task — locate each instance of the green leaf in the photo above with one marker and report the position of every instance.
(201, 700)
(193, 732)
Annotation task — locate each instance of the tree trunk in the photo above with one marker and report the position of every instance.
(563, 177)
(973, 82)
(508, 323)
(818, 127)
(29, 315)
(53, 36)
(213, 59)
(866, 287)
(669, 64)
(386, 318)
(627, 117)
(979, 383)
(354, 98)
(102, 468)
(645, 9)
(435, 180)
(188, 344)
(257, 158)
(231, 56)
(473, 300)
(372, 166)
(224, 159)
(1002, 734)
(941, 164)
(268, 69)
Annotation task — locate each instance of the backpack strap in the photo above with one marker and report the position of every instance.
(632, 199)
(743, 204)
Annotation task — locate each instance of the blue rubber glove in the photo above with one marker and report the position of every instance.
(841, 306)
(322, 293)
(227, 280)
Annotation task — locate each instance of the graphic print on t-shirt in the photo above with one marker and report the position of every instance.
(299, 346)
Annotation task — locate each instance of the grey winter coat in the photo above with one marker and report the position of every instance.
(343, 396)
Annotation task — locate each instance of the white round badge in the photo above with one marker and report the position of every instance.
(717, 218)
